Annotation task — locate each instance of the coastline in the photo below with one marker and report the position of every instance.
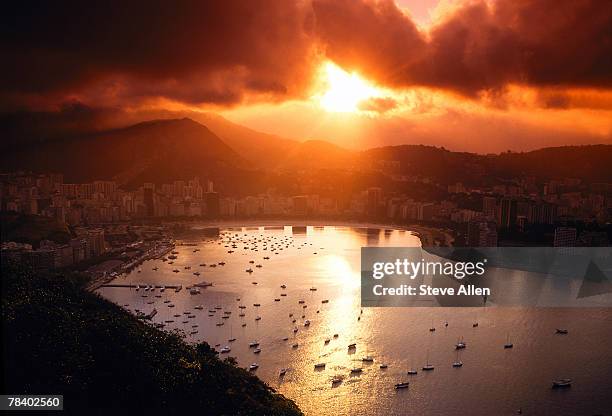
(427, 235)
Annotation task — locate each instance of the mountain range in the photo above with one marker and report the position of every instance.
(244, 160)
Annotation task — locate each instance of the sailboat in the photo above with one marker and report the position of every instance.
(457, 363)
(508, 344)
(428, 366)
(460, 344)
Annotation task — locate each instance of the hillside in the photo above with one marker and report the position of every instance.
(244, 161)
(317, 154)
(61, 339)
(260, 149)
(151, 151)
(590, 163)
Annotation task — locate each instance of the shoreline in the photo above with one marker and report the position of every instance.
(425, 234)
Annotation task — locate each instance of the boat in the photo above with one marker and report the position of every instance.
(194, 291)
(198, 307)
(460, 344)
(351, 346)
(561, 331)
(256, 350)
(283, 286)
(219, 324)
(276, 299)
(253, 344)
(326, 341)
(508, 344)
(285, 338)
(258, 318)
(225, 349)
(319, 365)
(257, 304)
(412, 372)
(428, 366)
(356, 370)
(368, 359)
(562, 382)
(403, 385)
(336, 380)
(335, 335)
(325, 301)
(306, 322)
(313, 289)
(253, 367)
(283, 294)
(457, 363)
(383, 366)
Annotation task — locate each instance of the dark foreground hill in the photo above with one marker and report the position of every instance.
(60, 339)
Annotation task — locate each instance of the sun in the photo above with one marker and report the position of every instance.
(343, 91)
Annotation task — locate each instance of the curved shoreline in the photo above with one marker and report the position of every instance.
(427, 235)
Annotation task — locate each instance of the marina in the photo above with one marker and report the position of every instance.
(322, 340)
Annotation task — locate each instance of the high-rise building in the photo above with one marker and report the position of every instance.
(149, 199)
(565, 237)
(374, 200)
(212, 204)
(300, 205)
(507, 212)
(542, 213)
(482, 232)
(489, 206)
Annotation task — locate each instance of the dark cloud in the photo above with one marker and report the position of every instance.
(221, 52)
(480, 46)
(191, 51)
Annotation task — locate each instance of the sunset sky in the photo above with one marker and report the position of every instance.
(482, 76)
